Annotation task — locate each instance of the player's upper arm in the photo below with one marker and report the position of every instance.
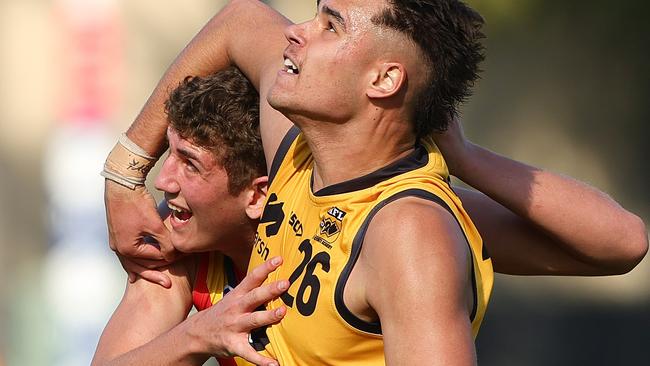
(256, 46)
(146, 311)
(417, 264)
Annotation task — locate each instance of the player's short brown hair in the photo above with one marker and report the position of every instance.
(220, 113)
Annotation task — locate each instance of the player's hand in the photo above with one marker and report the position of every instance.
(455, 148)
(223, 329)
(135, 269)
(131, 216)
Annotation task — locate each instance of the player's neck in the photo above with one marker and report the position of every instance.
(240, 246)
(346, 151)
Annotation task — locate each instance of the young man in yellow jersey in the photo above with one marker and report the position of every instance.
(345, 84)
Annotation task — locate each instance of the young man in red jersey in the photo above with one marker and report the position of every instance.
(215, 184)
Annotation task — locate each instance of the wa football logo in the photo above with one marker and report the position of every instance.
(328, 227)
(330, 224)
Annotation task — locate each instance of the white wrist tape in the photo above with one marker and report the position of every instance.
(127, 164)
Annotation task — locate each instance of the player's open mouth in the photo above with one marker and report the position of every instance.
(290, 67)
(178, 213)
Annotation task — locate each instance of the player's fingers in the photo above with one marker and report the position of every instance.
(134, 244)
(131, 276)
(248, 353)
(163, 237)
(156, 229)
(258, 319)
(263, 294)
(155, 276)
(144, 251)
(150, 275)
(258, 275)
(149, 263)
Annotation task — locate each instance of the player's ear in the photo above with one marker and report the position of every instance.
(387, 79)
(256, 197)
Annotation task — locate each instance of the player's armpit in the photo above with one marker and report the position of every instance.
(416, 265)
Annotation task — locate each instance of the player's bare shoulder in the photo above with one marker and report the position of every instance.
(414, 241)
(413, 223)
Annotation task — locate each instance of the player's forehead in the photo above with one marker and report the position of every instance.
(173, 137)
(186, 147)
(370, 4)
(352, 10)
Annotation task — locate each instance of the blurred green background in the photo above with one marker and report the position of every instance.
(565, 87)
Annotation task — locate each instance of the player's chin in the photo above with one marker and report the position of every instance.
(279, 96)
(182, 241)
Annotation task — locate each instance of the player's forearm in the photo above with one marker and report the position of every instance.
(170, 348)
(208, 52)
(149, 314)
(581, 218)
(145, 344)
(197, 59)
(253, 34)
(245, 33)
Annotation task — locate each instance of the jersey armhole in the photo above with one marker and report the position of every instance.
(375, 327)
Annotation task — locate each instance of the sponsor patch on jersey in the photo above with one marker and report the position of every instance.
(273, 214)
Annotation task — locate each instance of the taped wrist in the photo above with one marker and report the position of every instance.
(128, 164)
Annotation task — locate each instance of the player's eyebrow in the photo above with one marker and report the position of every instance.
(189, 154)
(334, 14)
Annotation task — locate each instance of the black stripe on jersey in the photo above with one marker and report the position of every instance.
(287, 140)
(375, 327)
(415, 160)
(229, 270)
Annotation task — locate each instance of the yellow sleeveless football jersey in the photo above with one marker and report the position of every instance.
(319, 235)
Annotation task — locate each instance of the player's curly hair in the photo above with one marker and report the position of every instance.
(220, 113)
(449, 35)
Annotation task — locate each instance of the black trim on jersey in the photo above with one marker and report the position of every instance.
(375, 327)
(415, 160)
(287, 140)
(258, 338)
(229, 270)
